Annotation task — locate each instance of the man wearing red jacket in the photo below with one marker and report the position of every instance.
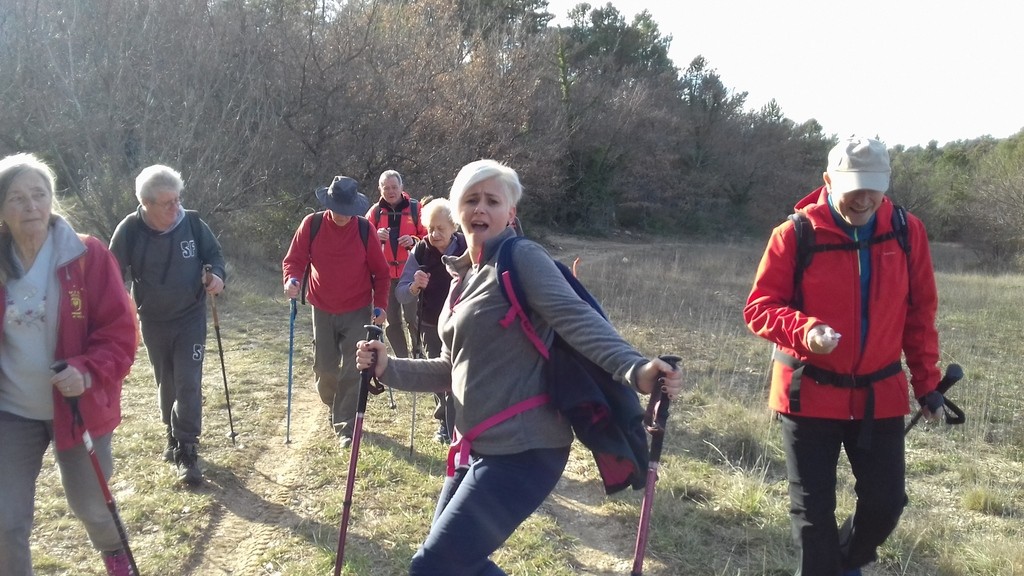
(839, 334)
(398, 228)
(348, 276)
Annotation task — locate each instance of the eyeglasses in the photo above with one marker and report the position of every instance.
(174, 203)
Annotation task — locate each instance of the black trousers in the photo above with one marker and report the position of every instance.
(812, 453)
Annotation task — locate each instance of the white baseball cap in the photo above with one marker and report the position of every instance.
(857, 163)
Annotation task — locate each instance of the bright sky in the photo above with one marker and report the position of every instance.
(907, 71)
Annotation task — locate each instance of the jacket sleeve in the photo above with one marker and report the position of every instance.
(768, 313)
(110, 342)
(295, 260)
(920, 336)
(402, 293)
(211, 252)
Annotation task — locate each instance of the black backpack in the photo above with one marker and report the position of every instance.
(314, 227)
(605, 415)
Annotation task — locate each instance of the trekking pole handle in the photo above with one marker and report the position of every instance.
(954, 373)
(373, 332)
(58, 367)
(657, 407)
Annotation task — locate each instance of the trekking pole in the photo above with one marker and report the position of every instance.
(656, 419)
(291, 356)
(220, 351)
(953, 375)
(373, 332)
(77, 421)
(418, 353)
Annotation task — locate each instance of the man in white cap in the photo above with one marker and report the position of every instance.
(844, 289)
(347, 279)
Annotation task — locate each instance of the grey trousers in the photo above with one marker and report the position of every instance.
(334, 362)
(22, 447)
(176, 351)
(401, 317)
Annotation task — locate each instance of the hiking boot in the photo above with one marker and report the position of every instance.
(186, 461)
(117, 563)
(172, 445)
(345, 441)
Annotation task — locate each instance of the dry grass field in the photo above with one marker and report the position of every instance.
(270, 508)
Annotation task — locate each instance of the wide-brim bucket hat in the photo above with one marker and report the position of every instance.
(343, 197)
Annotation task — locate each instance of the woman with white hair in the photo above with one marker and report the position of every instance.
(61, 299)
(517, 455)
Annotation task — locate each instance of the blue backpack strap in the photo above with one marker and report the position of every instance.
(508, 279)
(513, 292)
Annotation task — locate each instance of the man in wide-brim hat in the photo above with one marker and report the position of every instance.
(344, 277)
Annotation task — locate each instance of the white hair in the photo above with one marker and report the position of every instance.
(480, 170)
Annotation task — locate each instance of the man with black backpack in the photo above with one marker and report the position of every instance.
(334, 260)
(844, 290)
(163, 250)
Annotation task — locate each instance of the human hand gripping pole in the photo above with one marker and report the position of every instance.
(378, 314)
(220, 351)
(656, 420)
(78, 422)
(373, 332)
(954, 373)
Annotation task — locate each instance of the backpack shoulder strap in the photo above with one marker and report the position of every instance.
(509, 282)
(804, 231)
(414, 211)
(314, 227)
(364, 229)
(899, 228)
(419, 251)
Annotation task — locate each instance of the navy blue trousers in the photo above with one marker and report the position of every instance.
(481, 507)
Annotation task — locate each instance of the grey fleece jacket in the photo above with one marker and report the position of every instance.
(166, 268)
(489, 368)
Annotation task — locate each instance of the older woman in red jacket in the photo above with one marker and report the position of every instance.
(63, 300)
(840, 331)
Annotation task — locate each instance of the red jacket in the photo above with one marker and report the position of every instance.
(95, 334)
(396, 255)
(344, 276)
(901, 314)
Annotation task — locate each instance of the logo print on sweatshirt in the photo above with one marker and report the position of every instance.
(188, 249)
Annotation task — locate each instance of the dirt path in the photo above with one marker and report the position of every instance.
(254, 513)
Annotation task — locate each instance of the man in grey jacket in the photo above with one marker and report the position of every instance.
(163, 251)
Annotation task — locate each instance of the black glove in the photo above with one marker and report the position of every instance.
(932, 400)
